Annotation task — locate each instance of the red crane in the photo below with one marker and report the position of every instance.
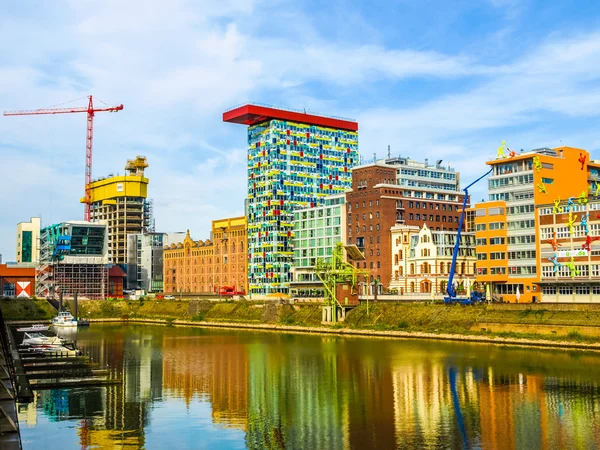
(90, 110)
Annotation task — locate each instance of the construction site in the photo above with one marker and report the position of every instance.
(88, 258)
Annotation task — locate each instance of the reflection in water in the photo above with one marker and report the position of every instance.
(195, 388)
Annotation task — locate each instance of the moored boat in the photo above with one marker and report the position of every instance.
(64, 319)
(38, 339)
(34, 327)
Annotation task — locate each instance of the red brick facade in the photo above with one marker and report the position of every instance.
(376, 203)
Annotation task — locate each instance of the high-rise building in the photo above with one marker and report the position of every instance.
(28, 239)
(507, 228)
(397, 191)
(73, 259)
(295, 160)
(121, 202)
(212, 266)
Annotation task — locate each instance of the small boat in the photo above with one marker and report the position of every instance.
(64, 319)
(38, 339)
(55, 350)
(35, 327)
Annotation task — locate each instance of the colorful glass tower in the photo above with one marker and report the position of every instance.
(295, 160)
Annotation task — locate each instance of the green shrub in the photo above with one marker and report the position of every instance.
(402, 324)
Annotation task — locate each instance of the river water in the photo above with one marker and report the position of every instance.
(191, 388)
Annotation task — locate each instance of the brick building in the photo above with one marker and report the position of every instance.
(382, 196)
(212, 265)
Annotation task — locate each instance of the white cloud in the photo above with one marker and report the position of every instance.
(177, 65)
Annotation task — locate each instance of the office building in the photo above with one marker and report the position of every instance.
(381, 197)
(145, 259)
(316, 232)
(28, 239)
(121, 202)
(507, 228)
(74, 260)
(295, 160)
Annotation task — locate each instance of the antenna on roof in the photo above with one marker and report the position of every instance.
(374, 157)
(389, 152)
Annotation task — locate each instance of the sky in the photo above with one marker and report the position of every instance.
(432, 79)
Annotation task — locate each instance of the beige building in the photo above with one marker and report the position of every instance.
(212, 266)
(121, 202)
(422, 257)
(28, 241)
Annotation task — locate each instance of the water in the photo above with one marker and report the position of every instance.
(189, 388)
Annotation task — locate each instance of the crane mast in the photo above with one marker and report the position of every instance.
(90, 110)
(449, 288)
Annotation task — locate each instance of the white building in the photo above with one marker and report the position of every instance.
(421, 260)
(28, 241)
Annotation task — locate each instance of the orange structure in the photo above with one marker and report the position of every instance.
(216, 266)
(17, 281)
(507, 227)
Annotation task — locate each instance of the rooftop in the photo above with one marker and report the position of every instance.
(254, 113)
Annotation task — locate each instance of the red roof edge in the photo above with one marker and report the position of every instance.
(250, 114)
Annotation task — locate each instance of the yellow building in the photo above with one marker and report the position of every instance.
(121, 201)
(507, 227)
(211, 266)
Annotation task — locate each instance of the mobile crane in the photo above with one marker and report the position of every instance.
(475, 297)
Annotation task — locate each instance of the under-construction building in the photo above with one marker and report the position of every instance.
(73, 260)
(121, 202)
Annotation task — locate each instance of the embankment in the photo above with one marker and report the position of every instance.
(575, 324)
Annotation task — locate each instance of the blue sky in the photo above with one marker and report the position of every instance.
(438, 79)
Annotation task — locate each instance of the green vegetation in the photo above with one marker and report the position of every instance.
(26, 309)
(581, 324)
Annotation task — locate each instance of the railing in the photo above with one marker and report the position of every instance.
(6, 353)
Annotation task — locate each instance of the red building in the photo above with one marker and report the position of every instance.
(115, 281)
(16, 281)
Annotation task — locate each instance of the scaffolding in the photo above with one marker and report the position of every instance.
(73, 261)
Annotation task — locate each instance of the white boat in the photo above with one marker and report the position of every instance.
(55, 350)
(35, 327)
(64, 319)
(38, 339)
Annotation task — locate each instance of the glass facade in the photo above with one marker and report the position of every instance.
(26, 246)
(290, 166)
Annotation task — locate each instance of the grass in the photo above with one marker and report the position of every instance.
(413, 317)
(26, 309)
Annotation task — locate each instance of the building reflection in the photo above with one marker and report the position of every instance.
(215, 369)
(296, 391)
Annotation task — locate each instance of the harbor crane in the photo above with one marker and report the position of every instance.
(91, 111)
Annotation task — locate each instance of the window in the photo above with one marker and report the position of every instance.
(481, 241)
(547, 166)
(479, 226)
(479, 212)
(481, 256)
(496, 241)
(548, 180)
(497, 226)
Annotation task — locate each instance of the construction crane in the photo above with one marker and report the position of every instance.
(91, 111)
(452, 297)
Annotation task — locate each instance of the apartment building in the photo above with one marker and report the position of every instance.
(422, 258)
